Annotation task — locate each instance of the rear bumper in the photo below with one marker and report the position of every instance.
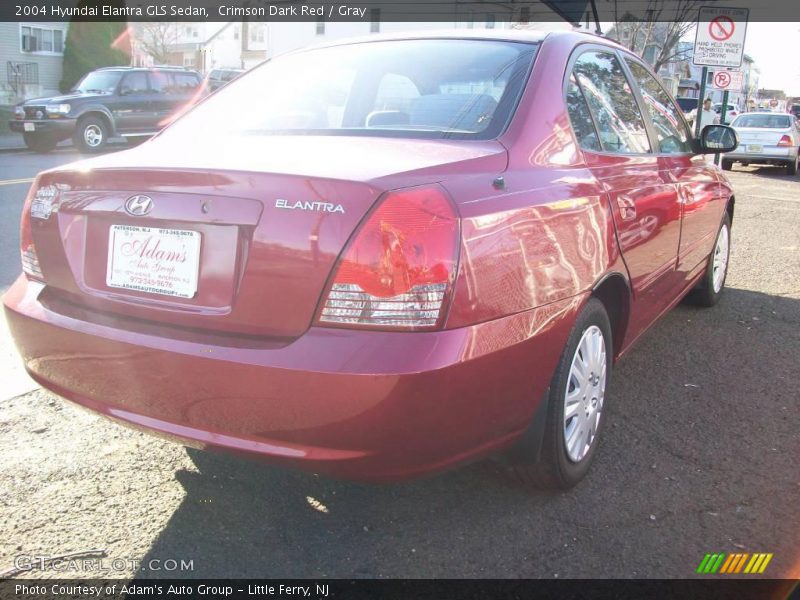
(770, 154)
(58, 128)
(353, 404)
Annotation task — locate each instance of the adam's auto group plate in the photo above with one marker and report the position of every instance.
(152, 260)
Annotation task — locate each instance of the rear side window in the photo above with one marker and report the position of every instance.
(134, 83)
(671, 132)
(184, 83)
(580, 118)
(159, 82)
(611, 102)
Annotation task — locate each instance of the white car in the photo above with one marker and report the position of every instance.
(765, 138)
(731, 112)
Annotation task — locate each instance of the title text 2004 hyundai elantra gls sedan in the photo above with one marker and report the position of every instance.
(382, 258)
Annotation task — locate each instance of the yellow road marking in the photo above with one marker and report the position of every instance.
(15, 181)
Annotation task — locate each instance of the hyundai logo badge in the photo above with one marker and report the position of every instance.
(138, 205)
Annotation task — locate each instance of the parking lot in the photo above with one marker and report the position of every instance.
(700, 455)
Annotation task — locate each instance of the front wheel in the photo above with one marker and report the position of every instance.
(727, 165)
(709, 288)
(91, 134)
(576, 405)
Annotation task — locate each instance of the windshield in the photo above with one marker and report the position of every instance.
(408, 88)
(763, 121)
(99, 81)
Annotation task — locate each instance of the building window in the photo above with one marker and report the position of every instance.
(375, 20)
(490, 21)
(256, 33)
(41, 39)
(321, 27)
(650, 53)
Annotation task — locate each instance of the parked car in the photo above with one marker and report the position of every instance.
(687, 105)
(218, 77)
(765, 138)
(731, 112)
(413, 252)
(114, 101)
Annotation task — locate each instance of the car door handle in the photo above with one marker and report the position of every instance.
(627, 207)
(687, 195)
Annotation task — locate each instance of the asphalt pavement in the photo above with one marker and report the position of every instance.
(700, 455)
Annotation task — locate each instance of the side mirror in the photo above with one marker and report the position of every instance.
(718, 138)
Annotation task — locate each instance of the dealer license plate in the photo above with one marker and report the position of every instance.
(153, 260)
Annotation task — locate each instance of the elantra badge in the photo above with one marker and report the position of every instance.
(312, 206)
(139, 205)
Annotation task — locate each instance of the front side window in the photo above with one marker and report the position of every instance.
(611, 101)
(671, 132)
(99, 82)
(465, 89)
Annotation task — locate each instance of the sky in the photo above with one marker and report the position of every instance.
(774, 47)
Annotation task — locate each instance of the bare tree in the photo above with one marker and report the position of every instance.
(157, 39)
(662, 24)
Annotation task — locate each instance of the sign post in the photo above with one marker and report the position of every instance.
(719, 42)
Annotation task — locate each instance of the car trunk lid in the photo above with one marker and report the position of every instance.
(246, 251)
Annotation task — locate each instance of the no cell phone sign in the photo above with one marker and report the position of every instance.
(719, 41)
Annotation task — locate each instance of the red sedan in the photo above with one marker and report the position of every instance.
(380, 258)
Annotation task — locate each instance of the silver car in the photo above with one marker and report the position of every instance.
(765, 138)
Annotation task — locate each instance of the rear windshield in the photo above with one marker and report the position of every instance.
(765, 121)
(408, 88)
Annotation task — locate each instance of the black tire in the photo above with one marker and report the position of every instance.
(91, 134)
(727, 165)
(705, 294)
(791, 168)
(38, 142)
(554, 468)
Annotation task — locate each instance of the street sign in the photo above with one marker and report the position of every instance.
(719, 40)
(728, 80)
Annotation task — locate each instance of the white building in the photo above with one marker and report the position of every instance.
(242, 45)
(32, 55)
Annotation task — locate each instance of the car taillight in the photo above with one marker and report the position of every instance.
(30, 261)
(397, 271)
(785, 141)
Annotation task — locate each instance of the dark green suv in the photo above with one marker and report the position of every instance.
(129, 102)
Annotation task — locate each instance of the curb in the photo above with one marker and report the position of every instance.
(24, 149)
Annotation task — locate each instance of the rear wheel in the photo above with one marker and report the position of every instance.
(709, 289)
(576, 405)
(727, 165)
(791, 168)
(38, 142)
(91, 134)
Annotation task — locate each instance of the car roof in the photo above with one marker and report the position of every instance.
(530, 36)
(765, 112)
(153, 68)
